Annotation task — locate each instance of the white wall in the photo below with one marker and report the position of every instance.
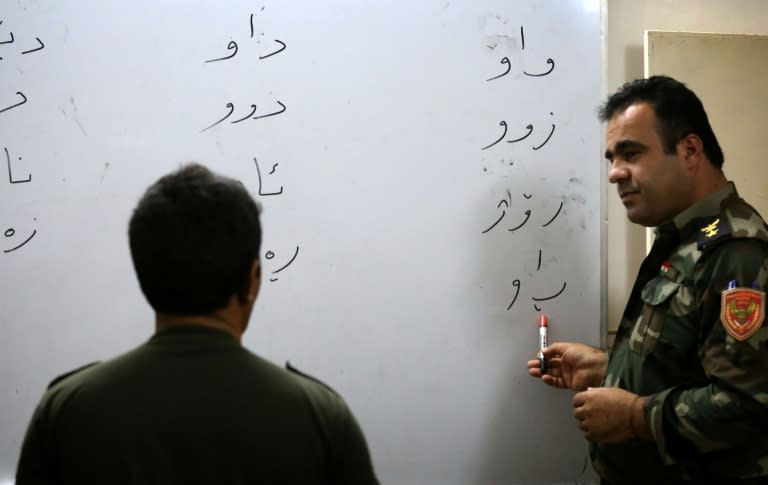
(626, 20)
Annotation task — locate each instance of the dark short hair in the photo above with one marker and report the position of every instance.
(194, 236)
(678, 109)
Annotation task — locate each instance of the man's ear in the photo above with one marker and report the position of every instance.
(691, 150)
(252, 284)
(255, 280)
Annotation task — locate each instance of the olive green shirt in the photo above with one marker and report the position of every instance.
(192, 406)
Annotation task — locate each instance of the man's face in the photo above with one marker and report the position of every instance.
(654, 186)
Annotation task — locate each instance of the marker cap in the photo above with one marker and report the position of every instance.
(543, 321)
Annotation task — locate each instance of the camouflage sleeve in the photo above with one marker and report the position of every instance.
(733, 409)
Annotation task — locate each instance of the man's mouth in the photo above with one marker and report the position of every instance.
(625, 195)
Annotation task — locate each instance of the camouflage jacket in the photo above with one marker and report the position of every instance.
(708, 384)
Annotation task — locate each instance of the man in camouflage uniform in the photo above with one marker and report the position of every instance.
(683, 396)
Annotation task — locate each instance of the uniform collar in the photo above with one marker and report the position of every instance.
(194, 333)
(689, 220)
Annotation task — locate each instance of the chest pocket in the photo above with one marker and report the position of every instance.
(656, 296)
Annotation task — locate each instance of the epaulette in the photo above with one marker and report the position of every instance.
(296, 371)
(70, 373)
(712, 229)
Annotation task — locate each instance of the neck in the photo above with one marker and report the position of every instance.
(711, 184)
(218, 320)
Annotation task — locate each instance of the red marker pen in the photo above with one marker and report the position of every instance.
(543, 321)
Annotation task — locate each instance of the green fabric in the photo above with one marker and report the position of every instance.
(709, 392)
(192, 406)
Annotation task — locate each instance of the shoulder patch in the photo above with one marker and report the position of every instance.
(296, 371)
(742, 312)
(711, 230)
(71, 373)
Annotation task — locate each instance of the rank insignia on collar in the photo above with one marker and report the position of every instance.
(742, 311)
(711, 230)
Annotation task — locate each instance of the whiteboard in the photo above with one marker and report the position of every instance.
(429, 174)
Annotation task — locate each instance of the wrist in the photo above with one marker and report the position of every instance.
(603, 366)
(599, 368)
(638, 425)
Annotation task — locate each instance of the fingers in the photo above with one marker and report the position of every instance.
(580, 398)
(556, 349)
(554, 381)
(535, 372)
(580, 413)
(604, 414)
(553, 368)
(548, 379)
(552, 377)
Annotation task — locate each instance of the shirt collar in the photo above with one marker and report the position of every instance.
(706, 207)
(194, 333)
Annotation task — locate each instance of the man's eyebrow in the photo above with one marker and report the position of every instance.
(623, 146)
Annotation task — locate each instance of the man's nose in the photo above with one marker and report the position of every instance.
(617, 172)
